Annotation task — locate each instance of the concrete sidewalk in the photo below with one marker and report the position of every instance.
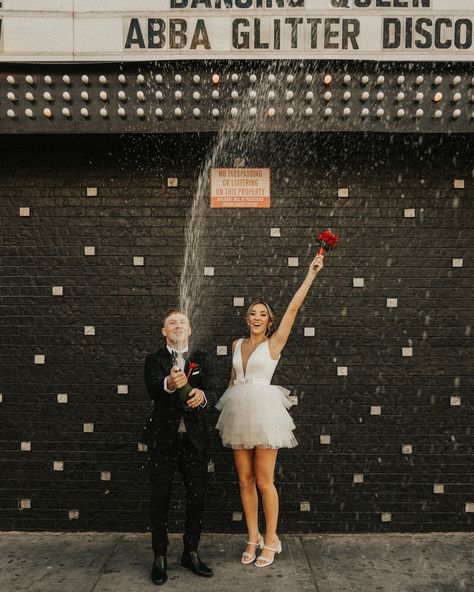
(98, 562)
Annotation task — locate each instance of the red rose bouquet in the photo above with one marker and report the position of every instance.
(327, 241)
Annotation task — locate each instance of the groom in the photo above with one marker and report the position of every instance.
(177, 438)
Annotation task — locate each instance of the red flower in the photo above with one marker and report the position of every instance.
(327, 241)
(192, 366)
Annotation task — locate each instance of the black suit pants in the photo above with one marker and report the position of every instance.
(162, 465)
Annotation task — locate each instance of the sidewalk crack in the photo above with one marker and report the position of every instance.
(106, 561)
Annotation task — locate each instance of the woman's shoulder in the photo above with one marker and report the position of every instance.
(236, 342)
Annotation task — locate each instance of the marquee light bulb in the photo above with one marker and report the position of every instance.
(216, 78)
(121, 112)
(364, 113)
(47, 112)
(290, 78)
(419, 97)
(47, 96)
(178, 95)
(290, 111)
(215, 95)
(457, 113)
(178, 79)
(253, 78)
(140, 113)
(158, 78)
(103, 79)
(159, 95)
(140, 96)
(456, 80)
(365, 80)
(196, 112)
(380, 113)
(400, 97)
(457, 97)
(253, 95)
(438, 80)
(380, 96)
(400, 80)
(84, 112)
(30, 97)
(271, 95)
(29, 113)
(11, 113)
(48, 79)
(196, 96)
(380, 80)
(438, 114)
(419, 80)
(178, 112)
(309, 78)
(159, 112)
(11, 80)
(271, 78)
(438, 97)
(346, 112)
(66, 96)
(234, 111)
(328, 112)
(308, 111)
(419, 113)
(271, 112)
(347, 79)
(347, 96)
(121, 95)
(103, 95)
(196, 79)
(215, 112)
(234, 77)
(234, 94)
(328, 96)
(401, 113)
(253, 112)
(66, 79)
(65, 111)
(140, 79)
(289, 95)
(85, 79)
(122, 79)
(103, 112)
(327, 79)
(12, 97)
(309, 95)
(365, 96)
(29, 80)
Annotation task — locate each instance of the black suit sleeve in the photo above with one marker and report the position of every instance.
(209, 381)
(154, 377)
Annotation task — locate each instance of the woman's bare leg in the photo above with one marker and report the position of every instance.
(264, 465)
(244, 461)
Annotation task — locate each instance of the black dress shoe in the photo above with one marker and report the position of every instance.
(158, 570)
(190, 559)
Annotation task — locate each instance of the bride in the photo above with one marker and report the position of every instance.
(254, 420)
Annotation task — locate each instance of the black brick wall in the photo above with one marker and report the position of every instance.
(136, 214)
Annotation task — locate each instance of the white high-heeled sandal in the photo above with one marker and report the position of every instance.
(266, 560)
(249, 557)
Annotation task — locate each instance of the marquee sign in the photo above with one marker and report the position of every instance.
(141, 30)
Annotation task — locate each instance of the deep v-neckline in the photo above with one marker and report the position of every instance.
(244, 372)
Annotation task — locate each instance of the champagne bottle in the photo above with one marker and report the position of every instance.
(183, 392)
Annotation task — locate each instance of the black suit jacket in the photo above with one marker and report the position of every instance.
(161, 430)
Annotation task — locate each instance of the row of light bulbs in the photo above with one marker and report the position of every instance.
(215, 94)
(234, 112)
(216, 79)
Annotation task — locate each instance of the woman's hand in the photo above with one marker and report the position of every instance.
(316, 265)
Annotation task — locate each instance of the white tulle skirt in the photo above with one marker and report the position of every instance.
(254, 414)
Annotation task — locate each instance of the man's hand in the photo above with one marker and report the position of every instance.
(177, 378)
(196, 398)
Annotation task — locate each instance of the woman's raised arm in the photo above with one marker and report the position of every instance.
(280, 337)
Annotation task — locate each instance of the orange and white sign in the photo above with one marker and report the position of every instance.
(240, 188)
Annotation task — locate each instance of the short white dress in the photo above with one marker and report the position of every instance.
(253, 411)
